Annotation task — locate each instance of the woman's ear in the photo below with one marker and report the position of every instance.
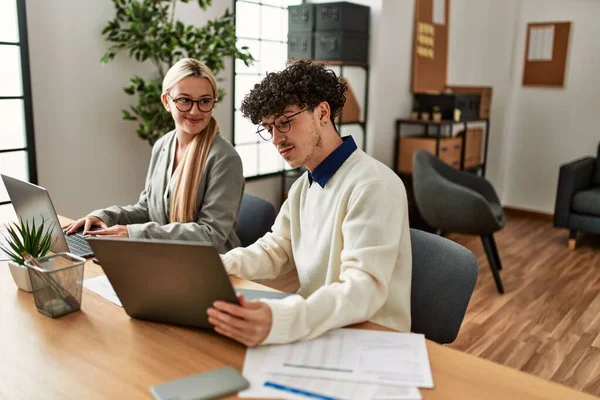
(165, 101)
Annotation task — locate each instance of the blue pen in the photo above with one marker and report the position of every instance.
(301, 392)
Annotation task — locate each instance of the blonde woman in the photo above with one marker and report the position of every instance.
(195, 182)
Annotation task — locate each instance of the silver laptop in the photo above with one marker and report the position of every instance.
(164, 281)
(32, 202)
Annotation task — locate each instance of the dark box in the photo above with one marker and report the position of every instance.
(301, 45)
(301, 18)
(468, 104)
(342, 16)
(341, 46)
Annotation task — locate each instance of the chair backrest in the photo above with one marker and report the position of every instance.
(430, 188)
(444, 274)
(256, 217)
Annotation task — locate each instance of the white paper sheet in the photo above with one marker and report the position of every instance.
(439, 12)
(100, 285)
(356, 355)
(541, 43)
(255, 359)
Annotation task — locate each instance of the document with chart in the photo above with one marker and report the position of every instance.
(356, 355)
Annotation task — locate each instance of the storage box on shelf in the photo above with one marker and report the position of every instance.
(342, 46)
(342, 16)
(449, 152)
(329, 32)
(301, 18)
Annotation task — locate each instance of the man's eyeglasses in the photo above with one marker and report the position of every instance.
(282, 123)
(185, 104)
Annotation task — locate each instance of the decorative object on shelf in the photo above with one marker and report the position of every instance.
(415, 111)
(457, 113)
(148, 31)
(25, 237)
(436, 113)
(425, 116)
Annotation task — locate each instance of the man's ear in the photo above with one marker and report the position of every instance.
(324, 112)
(165, 100)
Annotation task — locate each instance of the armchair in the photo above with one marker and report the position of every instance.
(578, 197)
(460, 202)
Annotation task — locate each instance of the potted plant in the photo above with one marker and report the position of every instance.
(437, 114)
(415, 110)
(425, 116)
(25, 237)
(148, 31)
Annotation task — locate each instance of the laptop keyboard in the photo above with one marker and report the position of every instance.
(78, 245)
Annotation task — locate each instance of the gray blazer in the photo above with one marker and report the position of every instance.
(219, 196)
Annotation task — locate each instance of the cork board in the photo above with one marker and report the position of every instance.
(546, 50)
(430, 46)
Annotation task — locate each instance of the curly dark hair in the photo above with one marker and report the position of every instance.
(303, 83)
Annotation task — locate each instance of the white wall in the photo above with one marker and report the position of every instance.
(481, 47)
(549, 127)
(87, 156)
(480, 53)
(80, 136)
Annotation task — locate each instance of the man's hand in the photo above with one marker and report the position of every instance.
(115, 230)
(249, 323)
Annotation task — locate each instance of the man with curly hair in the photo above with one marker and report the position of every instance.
(344, 225)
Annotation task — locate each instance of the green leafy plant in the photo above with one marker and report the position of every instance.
(416, 106)
(435, 109)
(26, 237)
(148, 31)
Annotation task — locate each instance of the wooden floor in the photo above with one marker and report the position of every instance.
(548, 321)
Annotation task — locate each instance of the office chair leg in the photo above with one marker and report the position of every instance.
(496, 255)
(488, 247)
(572, 239)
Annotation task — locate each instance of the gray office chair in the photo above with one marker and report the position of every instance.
(256, 217)
(444, 274)
(460, 202)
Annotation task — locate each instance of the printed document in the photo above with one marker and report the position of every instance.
(356, 355)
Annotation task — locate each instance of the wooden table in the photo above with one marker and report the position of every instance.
(101, 353)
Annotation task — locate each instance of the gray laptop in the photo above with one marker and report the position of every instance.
(32, 202)
(168, 281)
(164, 281)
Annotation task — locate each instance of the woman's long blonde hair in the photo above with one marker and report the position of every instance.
(185, 195)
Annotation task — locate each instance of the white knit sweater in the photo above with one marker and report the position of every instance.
(350, 243)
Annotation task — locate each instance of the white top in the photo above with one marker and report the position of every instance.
(350, 243)
(169, 177)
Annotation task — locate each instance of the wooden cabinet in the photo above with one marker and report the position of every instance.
(450, 151)
(473, 148)
(450, 141)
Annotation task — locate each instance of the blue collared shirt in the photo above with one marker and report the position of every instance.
(332, 162)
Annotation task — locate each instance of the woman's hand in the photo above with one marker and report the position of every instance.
(248, 323)
(115, 230)
(86, 222)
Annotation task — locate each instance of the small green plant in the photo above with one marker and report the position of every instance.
(26, 237)
(416, 106)
(435, 110)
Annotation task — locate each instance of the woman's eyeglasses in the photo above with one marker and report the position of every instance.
(185, 104)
